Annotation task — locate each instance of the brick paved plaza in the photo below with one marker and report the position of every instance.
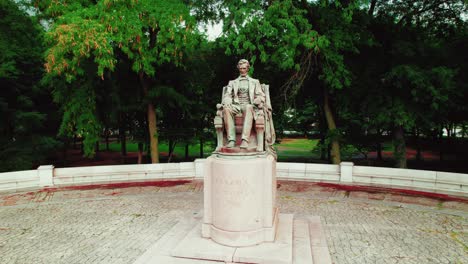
(118, 224)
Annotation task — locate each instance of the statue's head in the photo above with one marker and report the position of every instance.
(243, 67)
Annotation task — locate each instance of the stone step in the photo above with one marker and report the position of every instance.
(298, 241)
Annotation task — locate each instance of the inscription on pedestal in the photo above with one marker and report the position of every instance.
(237, 198)
(236, 190)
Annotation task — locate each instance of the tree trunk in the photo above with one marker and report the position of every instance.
(82, 146)
(96, 149)
(400, 147)
(66, 145)
(335, 145)
(201, 147)
(323, 152)
(107, 139)
(379, 151)
(379, 145)
(122, 137)
(172, 145)
(140, 152)
(74, 141)
(153, 133)
(372, 7)
(152, 128)
(441, 143)
(323, 131)
(418, 145)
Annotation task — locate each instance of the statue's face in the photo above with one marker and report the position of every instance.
(243, 70)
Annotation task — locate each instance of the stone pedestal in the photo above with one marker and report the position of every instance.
(239, 200)
(240, 222)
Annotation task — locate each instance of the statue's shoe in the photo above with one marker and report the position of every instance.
(244, 144)
(231, 144)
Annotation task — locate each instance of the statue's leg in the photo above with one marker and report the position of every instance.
(230, 127)
(248, 122)
(260, 129)
(218, 123)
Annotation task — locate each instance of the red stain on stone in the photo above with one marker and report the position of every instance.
(369, 189)
(113, 193)
(301, 188)
(119, 185)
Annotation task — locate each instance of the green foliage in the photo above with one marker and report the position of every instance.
(274, 34)
(148, 33)
(89, 38)
(79, 117)
(403, 64)
(23, 135)
(415, 89)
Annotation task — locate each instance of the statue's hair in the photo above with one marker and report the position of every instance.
(243, 61)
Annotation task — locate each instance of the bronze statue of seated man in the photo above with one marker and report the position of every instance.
(244, 96)
(243, 121)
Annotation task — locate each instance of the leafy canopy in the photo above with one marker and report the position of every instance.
(23, 137)
(148, 33)
(90, 38)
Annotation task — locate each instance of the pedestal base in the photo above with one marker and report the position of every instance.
(298, 241)
(241, 239)
(239, 200)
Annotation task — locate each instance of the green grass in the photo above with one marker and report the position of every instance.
(114, 146)
(387, 146)
(297, 149)
(179, 151)
(299, 143)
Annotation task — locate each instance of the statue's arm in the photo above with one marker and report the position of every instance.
(227, 98)
(260, 97)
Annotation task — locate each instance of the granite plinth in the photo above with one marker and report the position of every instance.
(298, 241)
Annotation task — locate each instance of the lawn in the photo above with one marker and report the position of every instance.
(295, 148)
(287, 149)
(179, 151)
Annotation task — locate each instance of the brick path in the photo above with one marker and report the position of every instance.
(117, 225)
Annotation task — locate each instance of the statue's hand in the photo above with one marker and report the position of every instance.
(227, 101)
(258, 102)
(219, 106)
(233, 108)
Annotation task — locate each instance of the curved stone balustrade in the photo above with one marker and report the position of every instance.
(345, 173)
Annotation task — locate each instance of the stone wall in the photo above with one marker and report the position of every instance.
(345, 173)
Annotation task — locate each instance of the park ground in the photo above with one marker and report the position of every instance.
(118, 223)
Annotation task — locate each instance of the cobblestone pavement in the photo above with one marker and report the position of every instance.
(117, 225)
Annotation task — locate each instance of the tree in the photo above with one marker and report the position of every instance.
(24, 133)
(406, 81)
(305, 38)
(88, 37)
